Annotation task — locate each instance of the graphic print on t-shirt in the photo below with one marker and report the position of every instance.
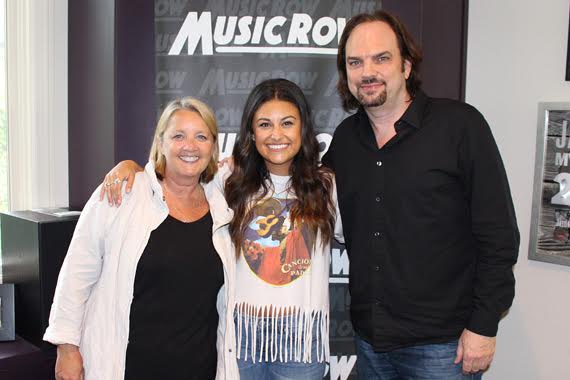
(277, 252)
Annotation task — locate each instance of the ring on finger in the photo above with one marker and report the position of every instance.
(116, 181)
(107, 184)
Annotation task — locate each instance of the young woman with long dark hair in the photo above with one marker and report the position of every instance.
(284, 220)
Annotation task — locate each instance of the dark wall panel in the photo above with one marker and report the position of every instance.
(440, 27)
(135, 101)
(111, 88)
(91, 95)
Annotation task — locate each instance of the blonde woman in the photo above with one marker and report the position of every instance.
(134, 300)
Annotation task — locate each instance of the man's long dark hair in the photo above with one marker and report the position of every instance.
(250, 181)
(409, 51)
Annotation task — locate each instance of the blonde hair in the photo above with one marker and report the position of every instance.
(189, 104)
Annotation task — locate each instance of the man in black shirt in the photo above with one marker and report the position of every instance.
(428, 218)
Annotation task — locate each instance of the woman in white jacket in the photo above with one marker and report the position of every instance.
(133, 301)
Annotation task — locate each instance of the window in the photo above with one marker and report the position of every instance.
(3, 120)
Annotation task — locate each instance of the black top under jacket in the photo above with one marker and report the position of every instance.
(429, 225)
(173, 318)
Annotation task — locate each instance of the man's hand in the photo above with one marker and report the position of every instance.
(69, 363)
(476, 351)
(229, 161)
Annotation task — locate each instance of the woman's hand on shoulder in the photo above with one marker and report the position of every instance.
(113, 182)
(69, 363)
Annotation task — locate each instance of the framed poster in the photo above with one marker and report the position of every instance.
(7, 327)
(550, 222)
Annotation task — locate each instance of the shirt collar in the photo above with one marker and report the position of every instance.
(414, 114)
(412, 117)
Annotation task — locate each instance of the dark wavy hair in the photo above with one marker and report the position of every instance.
(250, 181)
(409, 50)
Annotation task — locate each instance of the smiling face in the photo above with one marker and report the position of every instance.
(187, 146)
(376, 73)
(277, 132)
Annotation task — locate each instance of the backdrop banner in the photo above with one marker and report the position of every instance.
(218, 50)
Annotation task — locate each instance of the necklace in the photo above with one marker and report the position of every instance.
(280, 182)
(194, 203)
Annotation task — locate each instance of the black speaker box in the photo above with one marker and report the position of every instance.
(34, 244)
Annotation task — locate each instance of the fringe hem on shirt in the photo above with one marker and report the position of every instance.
(286, 333)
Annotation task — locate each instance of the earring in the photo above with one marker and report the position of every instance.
(252, 137)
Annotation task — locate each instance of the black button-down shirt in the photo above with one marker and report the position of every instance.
(429, 225)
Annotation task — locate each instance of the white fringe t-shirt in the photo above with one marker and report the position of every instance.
(282, 272)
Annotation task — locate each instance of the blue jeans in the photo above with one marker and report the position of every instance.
(428, 362)
(279, 370)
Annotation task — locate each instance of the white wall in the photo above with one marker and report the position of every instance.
(516, 58)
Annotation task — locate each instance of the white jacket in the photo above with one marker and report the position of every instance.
(94, 292)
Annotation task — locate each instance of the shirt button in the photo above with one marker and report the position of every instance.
(376, 234)
(379, 163)
(377, 268)
(377, 199)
